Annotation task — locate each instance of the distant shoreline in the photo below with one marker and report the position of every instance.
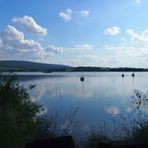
(65, 71)
(26, 66)
(40, 73)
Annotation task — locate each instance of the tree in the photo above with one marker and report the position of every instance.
(19, 120)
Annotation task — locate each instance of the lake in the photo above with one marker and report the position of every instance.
(79, 108)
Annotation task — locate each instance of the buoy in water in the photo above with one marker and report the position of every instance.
(122, 75)
(81, 78)
(133, 74)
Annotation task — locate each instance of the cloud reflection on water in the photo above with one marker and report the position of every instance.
(100, 95)
(113, 110)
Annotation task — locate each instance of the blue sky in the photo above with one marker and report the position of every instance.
(112, 33)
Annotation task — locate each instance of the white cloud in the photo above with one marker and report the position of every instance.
(138, 1)
(128, 56)
(54, 49)
(15, 45)
(89, 59)
(117, 56)
(29, 24)
(84, 13)
(80, 47)
(59, 50)
(112, 30)
(66, 15)
(112, 110)
(138, 38)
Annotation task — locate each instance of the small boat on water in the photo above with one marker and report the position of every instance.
(32, 86)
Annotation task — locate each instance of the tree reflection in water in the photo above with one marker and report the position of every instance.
(139, 101)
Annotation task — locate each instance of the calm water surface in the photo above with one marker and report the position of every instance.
(87, 105)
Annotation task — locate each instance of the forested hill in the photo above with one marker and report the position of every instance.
(31, 66)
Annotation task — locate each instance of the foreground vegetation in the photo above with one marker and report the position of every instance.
(19, 120)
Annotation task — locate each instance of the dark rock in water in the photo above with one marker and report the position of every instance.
(58, 142)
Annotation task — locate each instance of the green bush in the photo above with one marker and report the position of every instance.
(19, 123)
